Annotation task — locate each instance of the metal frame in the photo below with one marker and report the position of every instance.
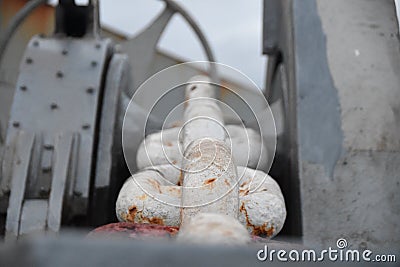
(278, 44)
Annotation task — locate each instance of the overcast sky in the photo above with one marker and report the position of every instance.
(233, 28)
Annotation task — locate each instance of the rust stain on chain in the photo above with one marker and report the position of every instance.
(227, 182)
(155, 184)
(136, 216)
(243, 192)
(142, 197)
(168, 143)
(180, 180)
(173, 190)
(261, 230)
(210, 183)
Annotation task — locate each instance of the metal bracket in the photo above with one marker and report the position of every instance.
(77, 21)
(52, 135)
(110, 173)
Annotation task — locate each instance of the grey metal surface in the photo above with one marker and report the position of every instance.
(20, 170)
(33, 216)
(57, 101)
(342, 122)
(361, 202)
(283, 169)
(281, 78)
(110, 171)
(271, 30)
(62, 172)
(70, 250)
(315, 92)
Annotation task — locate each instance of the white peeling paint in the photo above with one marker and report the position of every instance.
(211, 228)
(210, 182)
(163, 148)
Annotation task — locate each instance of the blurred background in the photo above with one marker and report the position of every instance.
(333, 71)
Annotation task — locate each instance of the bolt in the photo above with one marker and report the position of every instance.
(53, 106)
(46, 169)
(35, 43)
(86, 126)
(29, 60)
(48, 146)
(16, 124)
(90, 90)
(59, 74)
(23, 87)
(64, 52)
(43, 191)
(77, 194)
(98, 46)
(94, 63)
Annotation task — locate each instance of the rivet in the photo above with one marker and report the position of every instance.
(64, 52)
(29, 60)
(53, 106)
(86, 126)
(35, 43)
(59, 74)
(16, 124)
(98, 46)
(78, 194)
(90, 90)
(23, 87)
(94, 63)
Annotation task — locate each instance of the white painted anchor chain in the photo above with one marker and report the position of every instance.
(204, 189)
(163, 148)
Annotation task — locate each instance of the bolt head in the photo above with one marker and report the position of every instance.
(48, 146)
(86, 126)
(53, 106)
(46, 169)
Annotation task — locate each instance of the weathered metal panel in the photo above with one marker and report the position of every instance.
(110, 174)
(20, 172)
(57, 101)
(347, 95)
(62, 171)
